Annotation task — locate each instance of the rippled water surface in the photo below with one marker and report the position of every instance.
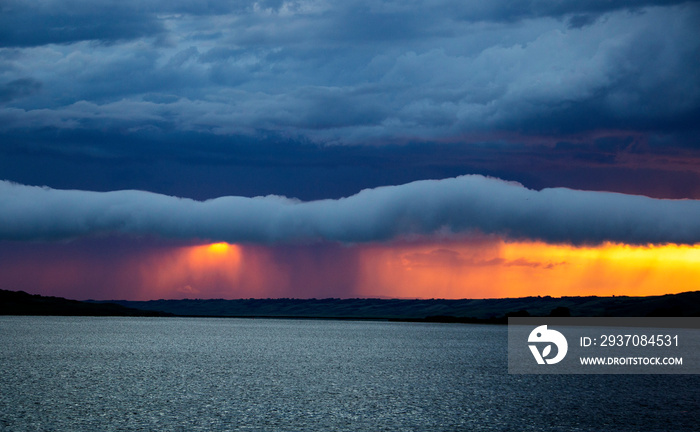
(189, 374)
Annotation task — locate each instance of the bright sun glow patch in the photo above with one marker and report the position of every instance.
(219, 248)
(193, 271)
(213, 256)
(520, 269)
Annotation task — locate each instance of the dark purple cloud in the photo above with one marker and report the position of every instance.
(203, 166)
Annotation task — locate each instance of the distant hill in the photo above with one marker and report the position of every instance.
(489, 310)
(485, 310)
(21, 303)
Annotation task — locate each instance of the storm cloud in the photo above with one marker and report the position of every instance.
(462, 205)
(317, 99)
(351, 73)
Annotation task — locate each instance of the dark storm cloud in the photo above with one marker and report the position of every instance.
(205, 99)
(18, 88)
(465, 204)
(26, 23)
(353, 72)
(580, 13)
(202, 165)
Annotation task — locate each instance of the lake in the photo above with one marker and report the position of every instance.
(218, 374)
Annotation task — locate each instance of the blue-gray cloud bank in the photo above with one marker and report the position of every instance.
(350, 72)
(456, 206)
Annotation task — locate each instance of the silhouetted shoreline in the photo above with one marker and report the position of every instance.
(481, 311)
(22, 303)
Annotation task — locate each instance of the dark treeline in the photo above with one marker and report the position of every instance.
(434, 310)
(488, 310)
(21, 303)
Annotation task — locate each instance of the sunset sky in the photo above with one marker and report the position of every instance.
(410, 149)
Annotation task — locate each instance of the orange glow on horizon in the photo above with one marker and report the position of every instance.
(481, 267)
(520, 269)
(470, 268)
(193, 271)
(216, 256)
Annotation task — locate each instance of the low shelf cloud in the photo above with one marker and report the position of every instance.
(461, 205)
